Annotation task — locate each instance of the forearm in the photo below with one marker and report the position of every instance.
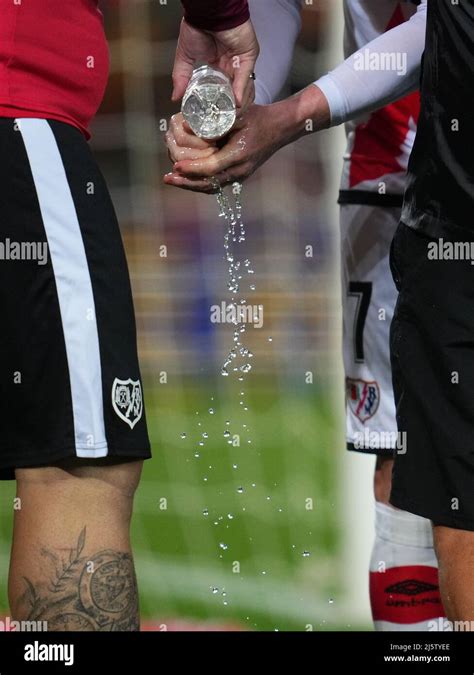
(277, 24)
(348, 92)
(215, 15)
(304, 113)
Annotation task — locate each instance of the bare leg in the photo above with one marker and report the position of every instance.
(71, 562)
(402, 558)
(455, 551)
(383, 479)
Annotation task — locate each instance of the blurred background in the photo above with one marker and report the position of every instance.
(271, 531)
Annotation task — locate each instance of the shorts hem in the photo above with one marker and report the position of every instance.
(454, 522)
(101, 450)
(7, 468)
(380, 452)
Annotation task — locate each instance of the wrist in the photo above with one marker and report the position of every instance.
(304, 113)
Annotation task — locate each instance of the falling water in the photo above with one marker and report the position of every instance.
(230, 209)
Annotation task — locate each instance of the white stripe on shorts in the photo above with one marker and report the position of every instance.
(73, 283)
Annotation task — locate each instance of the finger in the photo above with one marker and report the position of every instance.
(203, 185)
(186, 127)
(248, 98)
(226, 178)
(180, 82)
(181, 150)
(220, 161)
(182, 72)
(178, 153)
(242, 82)
(185, 137)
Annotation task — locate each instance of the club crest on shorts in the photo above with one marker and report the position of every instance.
(127, 400)
(363, 398)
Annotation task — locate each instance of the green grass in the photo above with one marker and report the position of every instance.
(291, 458)
(264, 580)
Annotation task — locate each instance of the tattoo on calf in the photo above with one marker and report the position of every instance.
(85, 593)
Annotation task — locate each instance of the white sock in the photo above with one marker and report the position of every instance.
(404, 591)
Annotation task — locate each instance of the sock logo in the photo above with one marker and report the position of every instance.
(411, 587)
(406, 595)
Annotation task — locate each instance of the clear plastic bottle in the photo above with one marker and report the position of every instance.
(209, 103)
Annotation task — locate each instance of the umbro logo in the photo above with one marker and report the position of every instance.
(411, 587)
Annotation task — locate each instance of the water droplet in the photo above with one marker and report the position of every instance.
(183, 435)
(211, 411)
(197, 455)
(331, 601)
(230, 516)
(205, 435)
(252, 287)
(226, 434)
(240, 490)
(214, 590)
(205, 512)
(306, 554)
(223, 546)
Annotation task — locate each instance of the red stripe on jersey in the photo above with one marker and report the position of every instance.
(54, 60)
(378, 144)
(408, 594)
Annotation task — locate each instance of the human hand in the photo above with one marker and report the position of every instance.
(234, 51)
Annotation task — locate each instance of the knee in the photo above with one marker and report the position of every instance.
(452, 545)
(383, 479)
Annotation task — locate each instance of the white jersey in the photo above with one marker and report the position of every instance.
(380, 143)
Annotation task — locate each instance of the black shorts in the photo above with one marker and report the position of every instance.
(69, 378)
(432, 354)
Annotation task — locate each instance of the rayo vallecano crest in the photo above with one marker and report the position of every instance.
(127, 400)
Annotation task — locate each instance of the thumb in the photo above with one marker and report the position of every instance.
(181, 77)
(242, 81)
